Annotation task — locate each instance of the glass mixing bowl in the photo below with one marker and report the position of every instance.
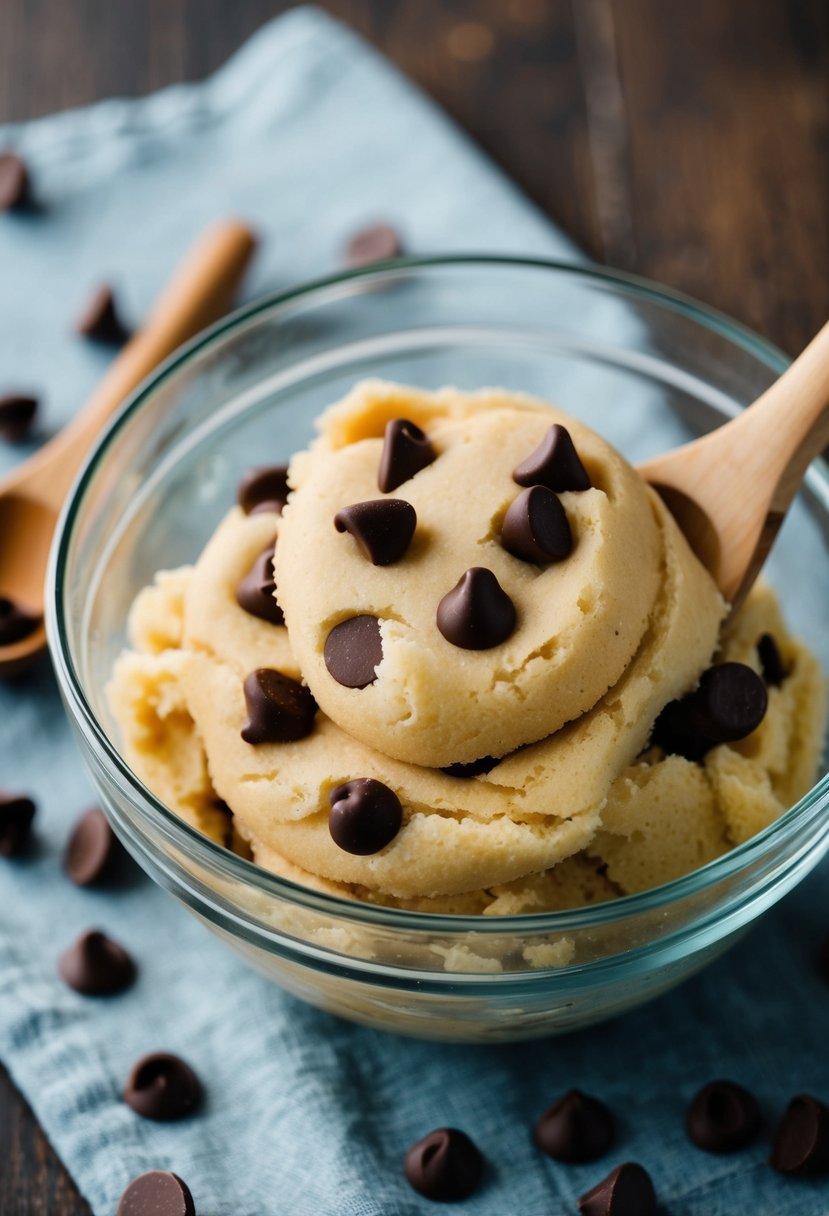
(645, 367)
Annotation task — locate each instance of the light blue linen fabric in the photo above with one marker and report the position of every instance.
(309, 134)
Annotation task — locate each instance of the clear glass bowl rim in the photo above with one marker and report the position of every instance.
(202, 850)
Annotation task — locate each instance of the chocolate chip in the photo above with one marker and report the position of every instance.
(477, 613)
(92, 850)
(555, 464)
(474, 768)
(728, 705)
(16, 623)
(96, 965)
(100, 321)
(771, 661)
(157, 1194)
(280, 709)
(256, 591)
(17, 413)
(162, 1087)
(576, 1128)
(626, 1191)
(406, 450)
(722, 1118)
(374, 244)
(365, 816)
(801, 1140)
(16, 815)
(14, 182)
(353, 649)
(383, 528)
(536, 529)
(445, 1165)
(263, 488)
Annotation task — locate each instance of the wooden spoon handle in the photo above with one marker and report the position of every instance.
(200, 292)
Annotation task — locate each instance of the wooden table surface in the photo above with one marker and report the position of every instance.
(687, 141)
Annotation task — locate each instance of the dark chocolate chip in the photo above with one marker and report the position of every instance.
(256, 591)
(626, 1191)
(365, 816)
(473, 768)
(17, 413)
(16, 623)
(771, 661)
(157, 1194)
(100, 320)
(555, 464)
(92, 850)
(444, 1166)
(280, 709)
(162, 1087)
(728, 705)
(263, 488)
(536, 529)
(16, 815)
(801, 1139)
(722, 1118)
(406, 450)
(96, 965)
(576, 1128)
(383, 528)
(374, 244)
(353, 649)
(477, 613)
(14, 182)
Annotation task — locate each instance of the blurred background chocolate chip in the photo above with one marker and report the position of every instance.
(723, 1117)
(263, 488)
(801, 1138)
(383, 528)
(626, 1191)
(353, 649)
(96, 965)
(163, 1087)
(576, 1128)
(256, 591)
(16, 815)
(477, 613)
(17, 413)
(555, 463)
(771, 661)
(365, 816)
(15, 184)
(444, 1166)
(377, 243)
(93, 851)
(157, 1193)
(536, 529)
(16, 622)
(406, 450)
(280, 709)
(99, 321)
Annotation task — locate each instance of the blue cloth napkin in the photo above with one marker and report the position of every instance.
(309, 135)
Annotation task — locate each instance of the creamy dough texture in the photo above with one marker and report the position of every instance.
(583, 813)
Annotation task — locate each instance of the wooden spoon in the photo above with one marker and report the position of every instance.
(730, 490)
(32, 495)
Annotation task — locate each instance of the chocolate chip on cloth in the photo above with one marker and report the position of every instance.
(93, 849)
(722, 1118)
(100, 321)
(16, 622)
(406, 450)
(729, 703)
(263, 488)
(555, 463)
(375, 244)
(576, 1128)
(626, 1191)
(383, 528)
(17, 412)
(535, 527)
(771, 661)
(157, 1193)
(96, 965)
(279, 709)
(444, 1166)
(365, 816)
(163, 1087)
(16, 815)
(255, 593)
(15, 189)
(353, 649)
(477, 613)
(801, 1139)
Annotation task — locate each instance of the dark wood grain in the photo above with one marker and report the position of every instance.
(686, 141)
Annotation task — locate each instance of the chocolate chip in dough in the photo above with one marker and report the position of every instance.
(555, 464)
(801, 1139)
(15, 191)
(157, 1193)
(473, 768)
(353, 649)
(16, 622)
(16, 815)
(771, 661)
(576, 1128)
(96, 965)
(100, 321)
(477, 613)
(729, 704)
(162, 1087)
(365, 816)
(536, 529)
(383, 528)
(377, 243)
(255, 592)
(280, 710)
(263, 488)
(722, 1118)
(626, 1191)
(406, 450)
(17, 412)
(93, 849)
(444, 1166)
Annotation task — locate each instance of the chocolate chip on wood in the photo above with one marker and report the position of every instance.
(445, 1166)
(163, 1087)
(157, 1193)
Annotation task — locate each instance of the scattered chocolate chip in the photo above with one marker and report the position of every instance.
(16, 815)
(365, 816)
(157, 1194)
(280, 709)
(16, 623)
(576, 1128)
(263, 488)
(374, 244)
(100, 321)
(406, 450)
(17, 413)
(14, 182)
(728, 705)
(256, 591)
(626, 1191)
(801, 1139)
(771, 661)
(96, 965)
(536, 529)
(477, 613)
(722, 1118)
(555, 464)
(162, 1087)
(473, 768)
(92, 850)
(353, 649)
(383, 528)
(445, 1165)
